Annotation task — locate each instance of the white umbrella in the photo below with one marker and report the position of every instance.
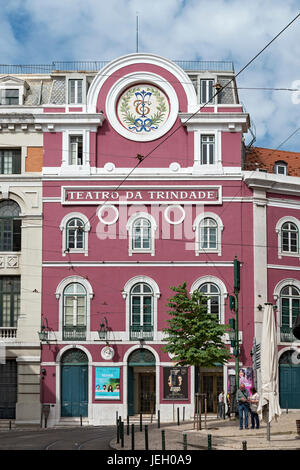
(268, 407)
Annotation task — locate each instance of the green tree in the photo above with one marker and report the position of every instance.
(194, 337)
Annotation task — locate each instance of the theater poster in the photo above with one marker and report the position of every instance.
(175, 383)
(107, 383)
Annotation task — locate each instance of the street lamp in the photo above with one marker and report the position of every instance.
(44, 333)
(103, 330)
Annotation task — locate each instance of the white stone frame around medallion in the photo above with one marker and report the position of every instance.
(126, 296)
(278, 230)
(59, 296)
(63, 227)
(134, 79)
(129, 228)
(196, 228)
(222, 288)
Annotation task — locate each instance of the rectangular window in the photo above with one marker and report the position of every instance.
(206, 91)
(10, 234)
(10, 161)
(207, 150)
(10, 97)
(76, 153)
(75, 91)
(9, 300)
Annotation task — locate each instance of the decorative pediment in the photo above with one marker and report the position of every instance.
(10, 81)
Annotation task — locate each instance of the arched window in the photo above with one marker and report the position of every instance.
(75, 234)
(208, 236)
(10, 226)
(208, 228)
(289, 238)
(213, 297)
(289, 308)
(74, 312)
(141, 311)
(141, 227)
(75, 228)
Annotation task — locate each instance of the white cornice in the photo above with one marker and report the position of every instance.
(270, 182)
(193, 120)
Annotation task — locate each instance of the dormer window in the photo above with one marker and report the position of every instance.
(75, 91)
(206, 91)
(281, 168)
(9, 96)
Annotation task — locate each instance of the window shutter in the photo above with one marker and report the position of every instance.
(16, 163)
(17, 235)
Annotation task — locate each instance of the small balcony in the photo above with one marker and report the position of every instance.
(74, 333)
(286, 335)
(8, 333)
(138, 332)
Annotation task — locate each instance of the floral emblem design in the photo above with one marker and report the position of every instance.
(143, 109)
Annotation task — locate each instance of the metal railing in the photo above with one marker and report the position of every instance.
(96, 65)
(286, 335)
(138, 332)
(75, 333)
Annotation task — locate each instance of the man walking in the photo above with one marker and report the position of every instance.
(221, 405)
(242, 398)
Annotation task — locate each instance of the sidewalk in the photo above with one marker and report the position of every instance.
(225, 435)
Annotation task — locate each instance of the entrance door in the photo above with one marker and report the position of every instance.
(289, 386)
(74, 384)
(8, 389)
(147, 393)
(212, 386)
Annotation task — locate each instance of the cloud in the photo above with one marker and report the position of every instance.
(35, 31)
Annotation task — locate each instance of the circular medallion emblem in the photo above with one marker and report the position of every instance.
(107, 353)
(143, 109)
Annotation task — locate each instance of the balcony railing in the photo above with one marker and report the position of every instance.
(286, 335)
(8, 332)
(96, 65)
(74, 333)
(138, 332)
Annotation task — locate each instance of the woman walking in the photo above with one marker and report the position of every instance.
(254, 399)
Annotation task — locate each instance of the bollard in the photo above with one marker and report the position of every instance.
(127, 425)
(244, 445)
(146, 438)
(209, 442)
(163, 440)
(122, 433)
(183, 413)
(287, 407)
(178, 419)
(10, 425)
(132, 436)
(158, 418)
(184, 442)
(141, 422)
(118, 432)
(80, 420)
(117, 418)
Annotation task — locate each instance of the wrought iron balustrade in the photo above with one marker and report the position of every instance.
(74, 333)
(286, 335)
(138, 332)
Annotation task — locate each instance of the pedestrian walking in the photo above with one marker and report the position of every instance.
(221, 405)
(228, 399)
(242, 398)
(254, 399)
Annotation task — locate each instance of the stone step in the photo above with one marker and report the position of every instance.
(4, 423)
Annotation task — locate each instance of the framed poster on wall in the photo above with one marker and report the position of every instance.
(175, 383)
(107, 383)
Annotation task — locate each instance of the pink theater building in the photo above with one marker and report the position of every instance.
(143, 189)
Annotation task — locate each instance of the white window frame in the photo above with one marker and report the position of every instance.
(196, 228)
(277, 290)
(126, 296)
(217, 165)
(130, 227)
(60, 297)
(13, 83)
(76, 76)
(63, 228)
(278, 229)
(281, 165)
(207, 80)
(222, 288)
(66, 148)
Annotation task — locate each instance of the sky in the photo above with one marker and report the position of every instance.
(42, 31)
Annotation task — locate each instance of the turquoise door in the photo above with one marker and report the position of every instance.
(74, 383)
(289, 386)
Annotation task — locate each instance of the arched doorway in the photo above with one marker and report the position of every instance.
(74, 383)
(141, 382)
(289, 379)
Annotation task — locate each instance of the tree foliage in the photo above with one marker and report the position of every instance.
(194, 337)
